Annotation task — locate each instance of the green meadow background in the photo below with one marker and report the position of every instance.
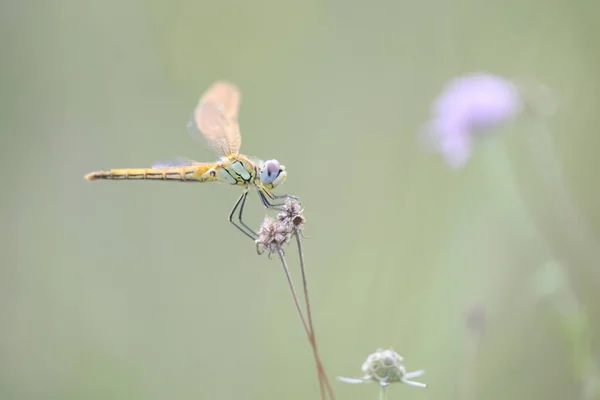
(143, 290)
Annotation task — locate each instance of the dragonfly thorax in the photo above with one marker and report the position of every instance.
(237, 171)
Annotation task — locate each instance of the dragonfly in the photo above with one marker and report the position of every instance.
(214, 121)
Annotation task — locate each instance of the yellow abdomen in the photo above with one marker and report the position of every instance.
(195, 173)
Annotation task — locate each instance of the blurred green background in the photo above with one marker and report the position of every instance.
(143, 290)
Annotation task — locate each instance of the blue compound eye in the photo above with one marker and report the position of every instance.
(270, 171)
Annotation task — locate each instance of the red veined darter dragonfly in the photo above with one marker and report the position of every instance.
(215, 119)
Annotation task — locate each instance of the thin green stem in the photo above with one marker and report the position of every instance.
(467, 389)
(383, 392)
(550, 168)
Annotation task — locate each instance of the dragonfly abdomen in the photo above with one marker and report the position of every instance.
(180, 174)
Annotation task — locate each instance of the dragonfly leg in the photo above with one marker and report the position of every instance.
(245, 229)
(267, 203)
(280, 196)
(265, 195)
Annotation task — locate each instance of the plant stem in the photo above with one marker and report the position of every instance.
(323, 379)
(383, 392)
(320, 368)
(574, 223)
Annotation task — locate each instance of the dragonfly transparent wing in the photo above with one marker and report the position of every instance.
(215, 119)
(174, 162)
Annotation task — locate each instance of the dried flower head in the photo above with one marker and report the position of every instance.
(272, 235)
(291, 215)
(385, 367)
(469, 105)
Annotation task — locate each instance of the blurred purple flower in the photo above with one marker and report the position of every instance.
(469, 105)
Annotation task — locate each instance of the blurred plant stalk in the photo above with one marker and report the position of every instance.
(552, 285)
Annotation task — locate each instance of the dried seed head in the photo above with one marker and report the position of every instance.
(385, 367)
(291, 215)
(272, 235)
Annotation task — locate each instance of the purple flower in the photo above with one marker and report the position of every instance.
(469, 105)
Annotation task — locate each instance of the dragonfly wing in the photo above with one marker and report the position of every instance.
(174, 162)
(215, 119)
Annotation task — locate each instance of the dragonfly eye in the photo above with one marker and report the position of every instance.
(270, 172)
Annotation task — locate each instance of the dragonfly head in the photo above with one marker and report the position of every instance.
(272, 174)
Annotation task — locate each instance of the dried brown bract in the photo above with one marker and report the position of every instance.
(291, 216)
(272, 235)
